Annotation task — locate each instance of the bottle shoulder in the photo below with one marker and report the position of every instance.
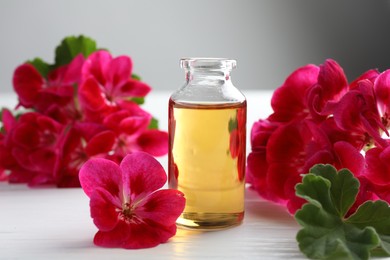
(206, 94)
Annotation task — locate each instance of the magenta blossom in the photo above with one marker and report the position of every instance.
(132, 133)
(126, 205)
(382, 92)
(330, 87)
(29, 147)
(107, 83)
(86, 108)
(53, 96)
(357, 112)
(288, 101)
(320, 118)
(78, 144)
(378, 169)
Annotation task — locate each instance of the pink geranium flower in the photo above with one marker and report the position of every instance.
(107, 83)
(378, 169)
(29, 149)
(320, 118)
(357, 112)
(125, 206)
(76, 145)
(85, 105)
(382, 92)
(288, 101)
(331, 85)
(130, 126)
(53, 96)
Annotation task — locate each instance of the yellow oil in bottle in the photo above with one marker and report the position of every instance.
(207, 162)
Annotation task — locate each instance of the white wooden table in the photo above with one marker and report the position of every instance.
(50, 223)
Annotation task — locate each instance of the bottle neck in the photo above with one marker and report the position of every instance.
(217, 76)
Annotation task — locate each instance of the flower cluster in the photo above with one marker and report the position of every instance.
(86, 105)
(321, 118)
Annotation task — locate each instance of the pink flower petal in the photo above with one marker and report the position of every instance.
(370, 75)
(142, 174)
(101, 173)
(112, 120)
(382, 92)
(281, 177)
(104, 209)
(332, 79)
(26, 135)
(88, 129)
(27, 83)
(118, 73)
(119, 236)
(100, 143)
(378, 165)
(8, 120)
(288, 101)
(154, 142)
(73, 71)
(96, 65)
(278, 152)
(133, 109)
(261, 131)
(162, 207)
(43, 160)
(7, 161)
(90, 95)
(134, 236)
(256, 172)
(336, 134)
(349, 157)
(61, 95)
(134, 125)
(357, 112)
(133, 88)
(332, 85)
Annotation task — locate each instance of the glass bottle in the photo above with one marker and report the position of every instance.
(207, 139)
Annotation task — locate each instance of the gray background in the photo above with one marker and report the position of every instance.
(269, 38)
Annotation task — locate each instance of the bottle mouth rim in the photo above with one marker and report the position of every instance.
(208, 63)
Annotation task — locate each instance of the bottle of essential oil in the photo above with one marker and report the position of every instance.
(207, 138)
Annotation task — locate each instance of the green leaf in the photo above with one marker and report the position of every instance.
(375, 214)
(343, 189)
(138, 100)
(71, 46)
(42, 67)
(326, 231)
(135, 76)
(153, 124)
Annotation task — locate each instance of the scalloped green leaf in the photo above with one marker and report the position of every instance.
(326, 231)
(343, 186)
(375, 214)
(71, 46)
